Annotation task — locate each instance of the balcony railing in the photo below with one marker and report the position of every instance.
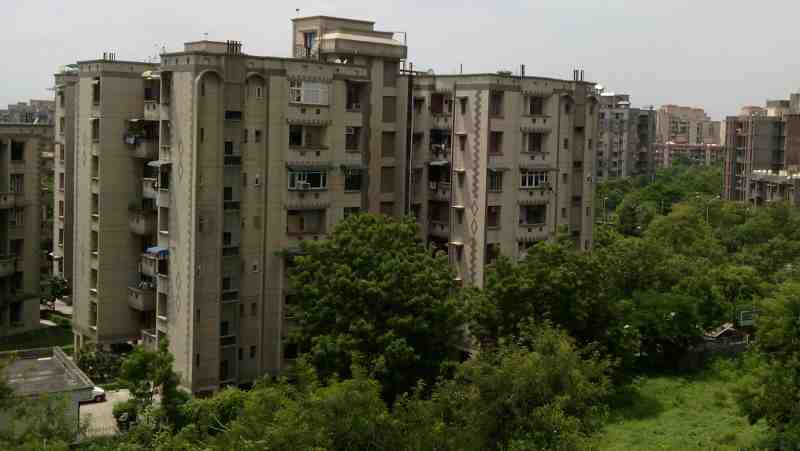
(7, 265)
(439, 229)
(149, 265)
(142, 299)
(303, 52)
(149, 339)
(151, 110)
(143, 222)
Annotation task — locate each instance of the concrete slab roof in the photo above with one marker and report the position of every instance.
(40, 371)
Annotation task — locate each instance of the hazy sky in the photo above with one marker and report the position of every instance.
(711, 53)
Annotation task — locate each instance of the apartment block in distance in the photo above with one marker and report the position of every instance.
(626, 138)
(688, 135)
(762, 159)
(21, 150)
(196, 179)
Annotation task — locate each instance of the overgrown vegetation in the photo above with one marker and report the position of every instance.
(575, 350)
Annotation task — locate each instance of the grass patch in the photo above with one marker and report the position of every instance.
(40, 338)
(679, 413)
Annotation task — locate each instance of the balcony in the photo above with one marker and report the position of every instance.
(8, 200)
(149, 188)
(7, 265)
(143, 222)
(439, 229)
(145, 148)
(149, 339)
(142, 299)
(151, 110)
(149, 265)
(439, 191)
(163, 199)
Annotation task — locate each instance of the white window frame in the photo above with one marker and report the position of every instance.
(532, 179)
(298, 180)
(308, 92)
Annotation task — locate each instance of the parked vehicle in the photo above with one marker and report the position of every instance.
(97, 395)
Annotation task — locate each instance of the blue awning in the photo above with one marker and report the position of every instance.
(159, 251)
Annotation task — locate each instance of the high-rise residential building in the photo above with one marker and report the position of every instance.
(64, 172)
(21, 150)
(196, 179)
(627, 136)
(688, 135)
(762, 159)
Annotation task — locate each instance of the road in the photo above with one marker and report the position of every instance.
(98, 416)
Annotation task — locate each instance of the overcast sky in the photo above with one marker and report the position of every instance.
(710, 53)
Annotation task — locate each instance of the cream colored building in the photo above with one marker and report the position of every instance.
(194, 177)
(22, 147)
(627, 136)
(686, 125)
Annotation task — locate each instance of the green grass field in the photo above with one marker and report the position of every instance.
(679, 413)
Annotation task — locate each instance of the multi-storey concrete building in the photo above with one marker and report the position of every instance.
(667, 154)
(686, 125)
(194, 177)
(64, 172)
(627, 136)
(35, 111)
(762, 151)
(21, 150)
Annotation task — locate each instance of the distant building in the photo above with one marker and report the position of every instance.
(33, 112)
(23, 148)
(626, 138)
(686, 134)
(667, 154)
(762, 158)
(43, 375)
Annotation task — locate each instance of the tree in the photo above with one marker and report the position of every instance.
(145, 373)
(100, 365)
(772, 390)
(373, 294)
(53, 289)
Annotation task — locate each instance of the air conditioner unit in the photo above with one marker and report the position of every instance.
(349, 130)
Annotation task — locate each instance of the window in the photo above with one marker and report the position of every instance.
(60, 237)
(535, 106)
(227, 238)
(299, 180)
(202, 135)
(295, 135)
(495, 181)
(312, 93)
(232, 115)
(352, 180)
(95, 129)
(532, 179)
(60, 152)
(17, 183)
(227, 193)
(258, 136)
(252, 350)
(493, 216)
(566, 143)
(387, 144)
(259, 92)
(496, 104)
(387, 180)
(245, 135)
(17, 217)
(96, 90)
(389, 107)
(463, 104)
(532, 214)
(496, 142)
(61, 209)
(61, 181)
(588, 212)
(17, 150)
(15, 313)
(228, 147)
(462, 142)
(223, 370)
(241, 353)
(389, 74)
(419, 104)
(564, 213)
(309, 39)
(352, 138)
(534, 142)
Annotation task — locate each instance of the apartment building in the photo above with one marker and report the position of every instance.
(626, 138)
(21, 150)
(669, 153)
(64, 173)
(686, 125)
(196, 179)
(762, 152)
(34, 111)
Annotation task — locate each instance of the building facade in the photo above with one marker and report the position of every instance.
(626, 140)
(686, 125)
(762, 152)
(196, 179)
(22, 147)
(34, 111)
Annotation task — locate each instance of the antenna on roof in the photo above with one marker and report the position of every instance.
(297, 10)
(205, 36)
